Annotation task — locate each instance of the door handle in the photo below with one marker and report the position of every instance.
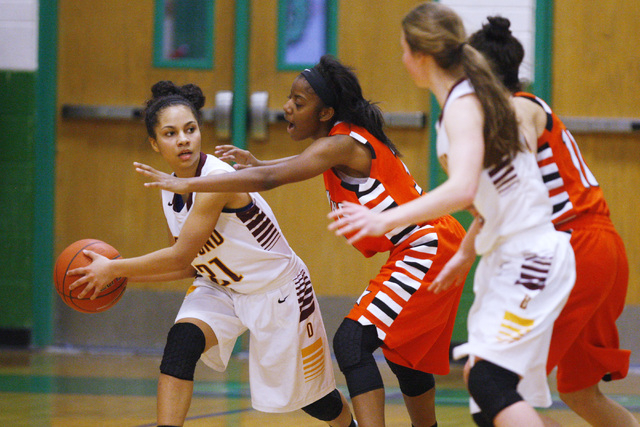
(222, 114)
(119, 112)
(260, 117)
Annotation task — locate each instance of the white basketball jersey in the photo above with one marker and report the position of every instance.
(247, 251)
(511, 196)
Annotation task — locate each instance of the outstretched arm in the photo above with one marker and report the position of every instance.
(455, 270)
(320, 156)
(242, 158)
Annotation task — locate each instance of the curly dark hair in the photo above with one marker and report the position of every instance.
(164, 94)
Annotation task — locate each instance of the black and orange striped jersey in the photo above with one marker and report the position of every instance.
(572, 187)
(389, 184)
(397, 299)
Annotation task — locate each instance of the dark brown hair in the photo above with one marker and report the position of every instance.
(166, 93)
(503, 51)
(436, 30)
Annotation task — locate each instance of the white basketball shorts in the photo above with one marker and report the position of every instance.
(289, 357)
(520, 289)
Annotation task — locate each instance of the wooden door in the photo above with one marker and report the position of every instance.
(106, 59)
(597, 76)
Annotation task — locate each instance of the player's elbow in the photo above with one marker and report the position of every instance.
(466, 195)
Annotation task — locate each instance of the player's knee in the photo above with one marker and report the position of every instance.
(581, 399)
(493, 388)
(353, 345)
(327, 408)
(412, 382)
(353, 342)
(185, 344)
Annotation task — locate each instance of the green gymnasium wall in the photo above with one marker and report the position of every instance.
(17, 163)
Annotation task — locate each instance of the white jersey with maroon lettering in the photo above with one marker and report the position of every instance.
(247, 251)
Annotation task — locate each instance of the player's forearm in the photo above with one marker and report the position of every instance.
(164, 262)
(186, 273)
(274, 161)
(441, 201)
(467, 247)
(253, 179)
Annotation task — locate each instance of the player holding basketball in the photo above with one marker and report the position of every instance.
(247, 278)
(584, 344)
(527, 267)
(396, 311)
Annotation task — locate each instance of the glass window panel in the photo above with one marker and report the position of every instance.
(306, 31)
(184, 34)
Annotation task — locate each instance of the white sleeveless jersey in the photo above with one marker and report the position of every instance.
(247, 251)
(511, 196)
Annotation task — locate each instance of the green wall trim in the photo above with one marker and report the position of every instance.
(45, 142)
(241, 74)
(332, 27)
(543, 61)
(436, 174)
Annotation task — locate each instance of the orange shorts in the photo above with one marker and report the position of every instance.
(414, 324)
(585, 344)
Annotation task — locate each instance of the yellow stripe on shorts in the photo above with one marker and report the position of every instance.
(514, 327)
(313, 360)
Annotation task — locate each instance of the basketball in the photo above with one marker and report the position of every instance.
(72, 257)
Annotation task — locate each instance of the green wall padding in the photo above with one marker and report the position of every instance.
(17, 163)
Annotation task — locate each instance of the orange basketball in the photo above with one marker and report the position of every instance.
(72, 257)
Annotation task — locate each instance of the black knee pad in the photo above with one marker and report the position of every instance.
(481, 419)
(493, 388)
(353, 345)
(185, 344)
(327, 408)
(412, 382)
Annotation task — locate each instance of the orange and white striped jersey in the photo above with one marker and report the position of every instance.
(389, 184)
(572, 187)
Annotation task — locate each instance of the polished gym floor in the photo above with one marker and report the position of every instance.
(73, 388)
